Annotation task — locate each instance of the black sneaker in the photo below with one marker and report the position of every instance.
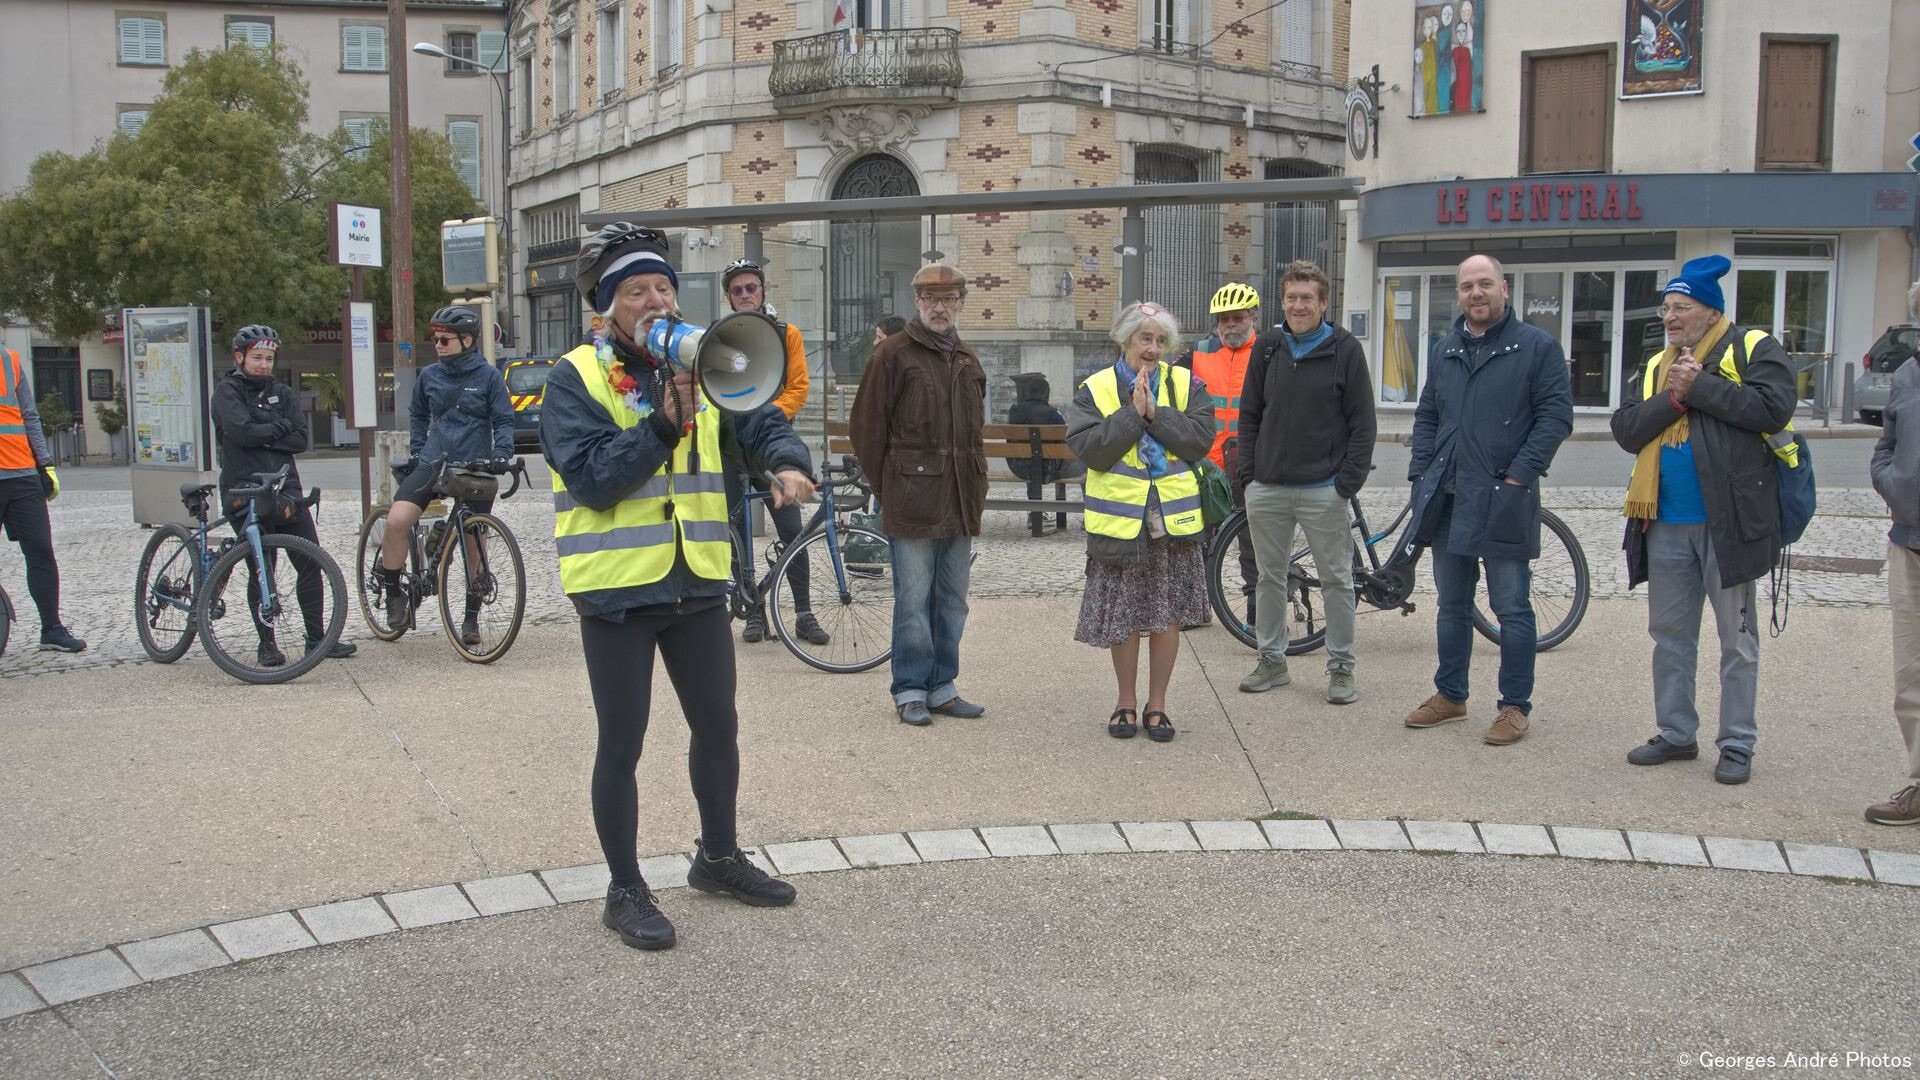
(736, 876)
(1735, 767)
(55, 638)
(633, 914)
(470, 630)
(340, 651)
(756, 629)
(1659, 751)
(809, 629)
(399, 603)
(270, 655)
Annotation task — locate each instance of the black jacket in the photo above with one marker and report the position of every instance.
(1738, 481)
(258, 426)
(1494, 408)
(600, 462)
(1310, 418)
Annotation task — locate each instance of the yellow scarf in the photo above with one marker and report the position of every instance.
(1643, 489)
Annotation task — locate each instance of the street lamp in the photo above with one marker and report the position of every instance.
(427, 48)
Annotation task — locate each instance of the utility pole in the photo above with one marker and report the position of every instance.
(400, 216)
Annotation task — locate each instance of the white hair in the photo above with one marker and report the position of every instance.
(1134, 316)
(1913, 300)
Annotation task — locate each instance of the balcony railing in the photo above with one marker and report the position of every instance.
(884, 64)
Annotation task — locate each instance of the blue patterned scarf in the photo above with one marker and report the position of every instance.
(1151, 452)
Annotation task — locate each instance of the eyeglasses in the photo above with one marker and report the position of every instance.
(445, 339)
(1681, 309)
(745, 288)
(940, 299)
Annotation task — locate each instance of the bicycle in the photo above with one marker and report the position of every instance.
(486, 551)
(182, 584)
(858, 615)
(6, 619)
(1560, 591)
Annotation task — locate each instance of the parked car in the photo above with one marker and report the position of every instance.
(527, 389)
(1870, 390)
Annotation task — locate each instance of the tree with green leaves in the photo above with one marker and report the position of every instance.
(220, 201)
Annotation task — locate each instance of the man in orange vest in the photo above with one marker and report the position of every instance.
(1220, 360)
(28, 483)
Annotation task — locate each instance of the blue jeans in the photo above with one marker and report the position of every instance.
(1509, 590)
(929, 615)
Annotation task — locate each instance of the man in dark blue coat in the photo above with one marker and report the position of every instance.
(1495, 408)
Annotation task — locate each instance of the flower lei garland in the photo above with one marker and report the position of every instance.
(618, 376)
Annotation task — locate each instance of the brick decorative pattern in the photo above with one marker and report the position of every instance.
(1239, 253)
(1245, 38)
(1094, 158)
(759, 163)
(987, 20)
(754, 34)
(1342, 38)
(989, 155)
(662, 189)
(1114, 23)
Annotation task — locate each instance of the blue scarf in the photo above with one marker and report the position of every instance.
(1151, 452)
(1300, 346)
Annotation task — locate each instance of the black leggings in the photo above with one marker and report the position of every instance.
(698, 650)
(23, 510)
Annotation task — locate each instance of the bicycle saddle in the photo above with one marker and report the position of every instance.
(267, 481)
(191, 490)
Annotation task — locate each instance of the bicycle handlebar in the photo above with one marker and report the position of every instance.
(517, 468)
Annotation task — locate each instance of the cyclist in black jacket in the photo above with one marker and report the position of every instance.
(259, 427)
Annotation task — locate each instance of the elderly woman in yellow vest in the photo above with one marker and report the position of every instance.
(640, 526)
(1139, 424)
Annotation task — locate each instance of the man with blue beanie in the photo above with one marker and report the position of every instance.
(1702, 507)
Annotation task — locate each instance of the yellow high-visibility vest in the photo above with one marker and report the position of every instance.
(1116, 499)
(1780, 442)
(633, 542)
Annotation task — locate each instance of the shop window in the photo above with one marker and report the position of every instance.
(1590, 337)
(554, 328)
(1401, 325)
(1642, 334)
(1796, 103)
(1566, 123)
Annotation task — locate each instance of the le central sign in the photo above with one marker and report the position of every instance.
(1538, 200)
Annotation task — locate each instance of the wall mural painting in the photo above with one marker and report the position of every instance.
(1662, 50)
(1449, 61)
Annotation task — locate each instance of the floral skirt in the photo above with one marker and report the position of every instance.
(1165, 590)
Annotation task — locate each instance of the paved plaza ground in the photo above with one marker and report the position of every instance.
(385, 868)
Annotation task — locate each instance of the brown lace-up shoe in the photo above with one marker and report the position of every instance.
(1902, 809)
(1437, 710)
(1508, 728)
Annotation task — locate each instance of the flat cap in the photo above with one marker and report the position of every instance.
(937, 276)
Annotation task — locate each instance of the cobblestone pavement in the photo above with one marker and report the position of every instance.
(99, 550)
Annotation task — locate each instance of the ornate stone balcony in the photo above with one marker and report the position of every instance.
(895, 66)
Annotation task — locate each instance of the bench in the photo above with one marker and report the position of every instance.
(1035, 443)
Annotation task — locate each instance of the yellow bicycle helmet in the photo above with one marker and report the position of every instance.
(1233, 296)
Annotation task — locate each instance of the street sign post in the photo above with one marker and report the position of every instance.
(354, 241)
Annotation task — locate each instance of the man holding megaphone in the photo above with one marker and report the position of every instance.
(633, 429)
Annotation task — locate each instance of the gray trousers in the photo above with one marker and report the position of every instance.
(1681, 573)
(1273, 513)
(1903, 592)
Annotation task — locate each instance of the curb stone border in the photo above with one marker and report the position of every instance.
(37, 987)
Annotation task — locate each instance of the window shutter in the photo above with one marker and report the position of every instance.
(676, 32)
(353, 50)
(376, 48)
(131, 120)
(360, 134)
(493, 50)
(1567, 118)
(257, 34)
(143, 41)
(155, 41)
(1296, 33)
(465, 136)
(1794, 104)
(130, 34)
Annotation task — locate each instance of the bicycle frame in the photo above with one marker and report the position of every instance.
(743, 537)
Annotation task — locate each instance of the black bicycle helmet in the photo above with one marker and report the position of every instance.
(460, 320)
(603, 248)
(255, 334)
(742, 266)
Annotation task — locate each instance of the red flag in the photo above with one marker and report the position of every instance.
(839, 13)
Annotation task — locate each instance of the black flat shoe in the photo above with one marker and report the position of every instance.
(1121, 726)
(1160, 732)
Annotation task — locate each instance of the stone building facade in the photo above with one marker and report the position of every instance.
(721, 103)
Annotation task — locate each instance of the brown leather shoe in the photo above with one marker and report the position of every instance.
(1508, 728)
(1437, 710)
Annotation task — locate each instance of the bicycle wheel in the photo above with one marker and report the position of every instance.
(1561, 588)
(852, 598)
(494, 597)
(6, 620)
(163, 593)
(1234, 606)
(230, 612)
(373, 591)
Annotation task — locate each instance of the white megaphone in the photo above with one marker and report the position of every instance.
(740, 361)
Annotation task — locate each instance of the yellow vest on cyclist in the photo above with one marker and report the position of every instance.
(1780, 442)
(633, 542)
(1116, 499)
